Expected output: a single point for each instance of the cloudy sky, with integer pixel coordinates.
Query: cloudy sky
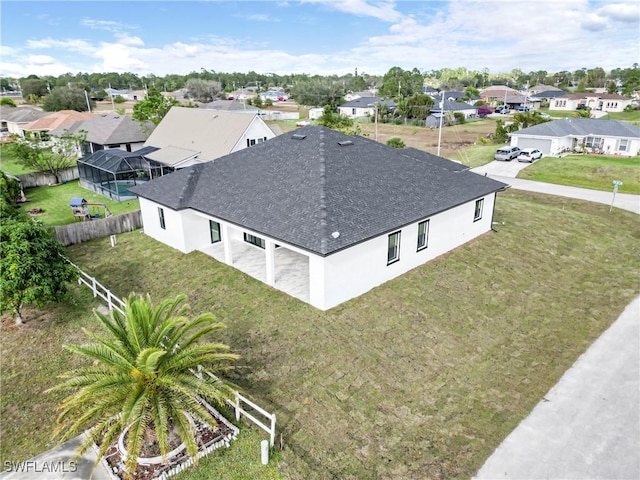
(316, 36)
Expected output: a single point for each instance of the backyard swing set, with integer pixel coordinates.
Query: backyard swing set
(81, 210)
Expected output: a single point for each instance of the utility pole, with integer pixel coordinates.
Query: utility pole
(440, 128)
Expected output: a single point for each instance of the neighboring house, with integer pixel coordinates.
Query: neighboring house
(322, 216)
(230, 106)
(108, 130)
(452, 106)
(548, 95)
(274, 96)
(455, 97)
(13, 119)
(497, 92)
(429, 90)
(355, 95)
(515, 101)
(610, 137)
(606, 102)
(54, 120)
(363, 106)
(187, 136)
(541, 88)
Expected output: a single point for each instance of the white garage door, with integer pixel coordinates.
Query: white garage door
(542, 144)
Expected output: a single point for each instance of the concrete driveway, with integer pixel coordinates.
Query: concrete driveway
(587, 426)
(501, 168)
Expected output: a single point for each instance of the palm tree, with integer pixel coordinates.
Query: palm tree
(141, 378)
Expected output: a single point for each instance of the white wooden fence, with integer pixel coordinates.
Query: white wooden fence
(117, 304)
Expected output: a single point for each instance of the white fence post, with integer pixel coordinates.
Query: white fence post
(273, 430)
(94, 289)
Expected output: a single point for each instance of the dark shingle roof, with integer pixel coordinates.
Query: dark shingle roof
(303, 186)
(20, 114)
(581, 127)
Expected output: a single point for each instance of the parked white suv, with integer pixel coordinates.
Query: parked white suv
(507, 153)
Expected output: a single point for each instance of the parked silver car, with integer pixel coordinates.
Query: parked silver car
(507, 153)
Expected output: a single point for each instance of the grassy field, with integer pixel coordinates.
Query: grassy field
(420, 378)
(588, 171)
(54, 202)
(9, 164)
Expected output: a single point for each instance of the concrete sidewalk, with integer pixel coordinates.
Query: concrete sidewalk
(57, 464)
(587, 427)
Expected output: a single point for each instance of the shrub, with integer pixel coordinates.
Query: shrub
(396, 142)
(119, 99)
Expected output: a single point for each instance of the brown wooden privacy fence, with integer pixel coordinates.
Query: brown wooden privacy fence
(83, 231)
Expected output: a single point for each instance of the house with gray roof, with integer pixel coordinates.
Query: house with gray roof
(363, 106)
(611, 137)
(12, 119)
(107, 130)
(187, 136)
(322, 216)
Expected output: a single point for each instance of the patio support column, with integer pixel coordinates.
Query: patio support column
(269, 251)
(226, 242)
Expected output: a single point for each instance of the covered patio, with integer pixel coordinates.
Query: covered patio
(290, 268)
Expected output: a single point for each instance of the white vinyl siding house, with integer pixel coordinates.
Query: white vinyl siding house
(605, 102)
(609, 137)
(314, 226)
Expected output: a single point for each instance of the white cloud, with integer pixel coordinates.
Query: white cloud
(383, 9)
(621, 12)
(72, 45)
(125, 39)
(41, 59)
(107, 25)
(259, 17)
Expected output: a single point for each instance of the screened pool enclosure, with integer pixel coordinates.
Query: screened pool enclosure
(112, 172)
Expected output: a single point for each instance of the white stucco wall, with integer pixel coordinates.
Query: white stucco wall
(356, 270)
(174, 233)
(346, 274)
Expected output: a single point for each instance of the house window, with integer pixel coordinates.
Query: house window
(251, 142)
(353, 111)
(393, 250)
(253, 240)
(477, 215)
(214, 228)
(423, 234)
(161, 216)
(623, 145)
(593, 142)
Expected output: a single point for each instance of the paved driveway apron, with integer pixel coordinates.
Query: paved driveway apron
(588, 425)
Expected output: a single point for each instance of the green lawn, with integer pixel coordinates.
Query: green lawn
(422, 377)
(477, 155)
(632, 117)
(54, 202)
(588, 171)
(9, 164)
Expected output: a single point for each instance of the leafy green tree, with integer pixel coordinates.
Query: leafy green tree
(396, 142)
(62, 98)
(501, 134)
(612, 87)
(153, 108)
(582, 113)
(51, 157)
(332, 119)
(32, 267)
(398, 83)
(119, 99)
(33, 86)
(359, 84)
(9, 191)
(203, 90)
(8, 102)
(139, 376)
(417, 106)
(318, 91)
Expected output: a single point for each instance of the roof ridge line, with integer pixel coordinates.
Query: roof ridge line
(323, 193)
